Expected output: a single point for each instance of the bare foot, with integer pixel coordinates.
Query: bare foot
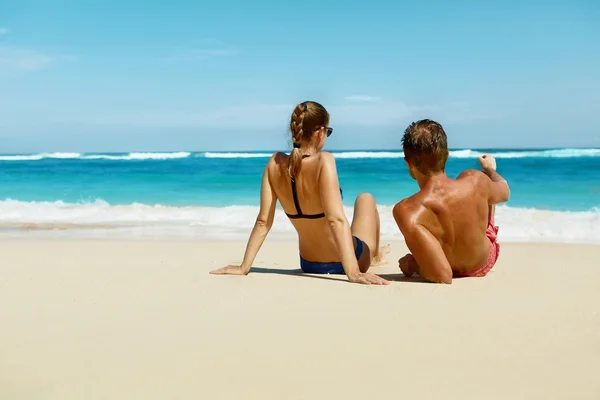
(380, 258)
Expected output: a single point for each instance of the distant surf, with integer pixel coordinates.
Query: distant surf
(141, 156)
(83, 156)
(555, 192)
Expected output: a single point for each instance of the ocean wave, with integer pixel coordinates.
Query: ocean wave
(467, 153)
(347, 154)
(36, 157)
(80, 156)
(138, 156)
(369, 154)
(516, 224)
(344, 154)
(557, 153)
(237, 155)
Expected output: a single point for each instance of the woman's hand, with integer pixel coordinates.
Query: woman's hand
(367, 279)
(229, 270)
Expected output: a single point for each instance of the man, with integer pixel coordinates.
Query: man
(449, 224)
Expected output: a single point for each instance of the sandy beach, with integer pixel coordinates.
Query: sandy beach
(124, 319)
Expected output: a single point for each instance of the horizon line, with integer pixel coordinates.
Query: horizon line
(287, 150)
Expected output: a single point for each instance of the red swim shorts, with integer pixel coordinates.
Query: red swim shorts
(492, 234)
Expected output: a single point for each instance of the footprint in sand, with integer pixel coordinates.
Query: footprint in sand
(381, 259)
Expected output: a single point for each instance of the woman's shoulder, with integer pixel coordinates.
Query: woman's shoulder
(277, 158)
(326, 159)
(279, 155)
(277, 161)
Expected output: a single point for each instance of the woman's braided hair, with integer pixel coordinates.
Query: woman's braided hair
(306, 119)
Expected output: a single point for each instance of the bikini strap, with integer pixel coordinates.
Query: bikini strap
(296, 201)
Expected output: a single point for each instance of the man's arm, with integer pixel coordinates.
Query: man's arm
(499, 192)
(432, 263)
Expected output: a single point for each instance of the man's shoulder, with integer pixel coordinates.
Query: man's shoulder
(410, 203)
(406, 210)
(476, 179)
(472, 174)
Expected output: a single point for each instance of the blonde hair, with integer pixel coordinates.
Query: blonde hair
(306, 119)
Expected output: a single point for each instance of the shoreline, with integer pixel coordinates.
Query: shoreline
(99, 220)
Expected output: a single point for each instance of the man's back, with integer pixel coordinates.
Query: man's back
(449, 224)
(456, 213)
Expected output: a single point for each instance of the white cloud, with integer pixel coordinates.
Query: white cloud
(201, 54)
(210, 53)
(4, 31)
(231, 117)
(23, 59)
(216, 52)
(375, 114)
(360, 98)
(267, 116)
(250, 116)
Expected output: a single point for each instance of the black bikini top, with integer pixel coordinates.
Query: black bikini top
(297, 203)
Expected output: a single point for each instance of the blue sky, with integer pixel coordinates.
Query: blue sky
(123, 76)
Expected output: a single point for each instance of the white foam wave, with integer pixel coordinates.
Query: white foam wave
(516, 224)
(558, 153)
(237, 155)
(130, 156)
(138, 156)
(348, 154)
(467, 153)
(35, 157)
(104, 157)
(369, 154)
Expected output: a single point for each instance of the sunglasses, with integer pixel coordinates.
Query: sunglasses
(329, 130)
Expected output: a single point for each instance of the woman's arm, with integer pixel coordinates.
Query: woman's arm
(331, 200)
(264, 221)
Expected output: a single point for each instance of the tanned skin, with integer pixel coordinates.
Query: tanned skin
(322, 240)
(444, 224)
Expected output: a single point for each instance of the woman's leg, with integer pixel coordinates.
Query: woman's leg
(365, 226)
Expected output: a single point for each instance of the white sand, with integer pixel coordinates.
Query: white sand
(144, 320)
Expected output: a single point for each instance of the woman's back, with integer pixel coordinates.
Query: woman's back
(315, 239)
(306, 185)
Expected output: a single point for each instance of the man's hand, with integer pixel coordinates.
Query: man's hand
(367, 279)
(408, 265)
(229, 270)
(487, 162)
(499, 190)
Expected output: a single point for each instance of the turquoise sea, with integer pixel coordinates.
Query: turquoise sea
(555, 192)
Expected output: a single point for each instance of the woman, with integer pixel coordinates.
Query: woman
(306, 184)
